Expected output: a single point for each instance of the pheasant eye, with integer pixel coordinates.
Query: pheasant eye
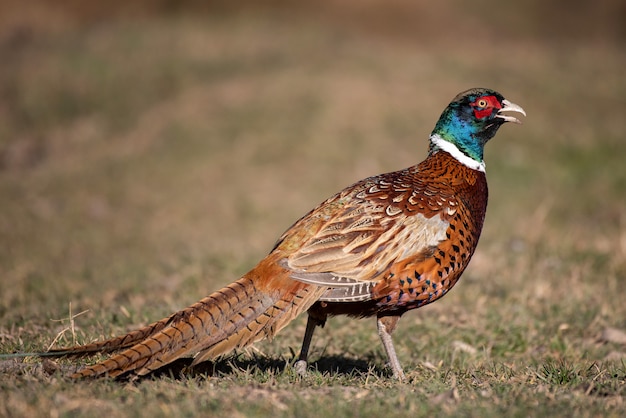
(482, 103)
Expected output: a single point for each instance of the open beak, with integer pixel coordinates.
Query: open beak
(510, 107)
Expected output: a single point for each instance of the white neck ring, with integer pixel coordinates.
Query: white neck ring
(452, 149)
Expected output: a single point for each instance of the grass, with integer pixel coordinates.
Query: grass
(144, 165)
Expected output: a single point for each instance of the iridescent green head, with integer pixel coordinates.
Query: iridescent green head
(470, 120)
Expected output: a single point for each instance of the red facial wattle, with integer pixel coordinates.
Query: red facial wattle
(490, 103)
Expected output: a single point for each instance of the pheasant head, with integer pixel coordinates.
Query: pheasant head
(470, 120)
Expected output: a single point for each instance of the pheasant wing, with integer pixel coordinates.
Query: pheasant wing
(350, 242)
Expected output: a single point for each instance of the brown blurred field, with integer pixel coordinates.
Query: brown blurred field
(151, 152)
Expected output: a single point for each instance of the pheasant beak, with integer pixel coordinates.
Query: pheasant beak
(510, 107)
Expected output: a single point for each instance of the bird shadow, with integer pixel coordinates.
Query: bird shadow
(326, 365)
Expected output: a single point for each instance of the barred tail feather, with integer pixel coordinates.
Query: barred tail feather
(113, 344)
(233, 317)
(266, 324)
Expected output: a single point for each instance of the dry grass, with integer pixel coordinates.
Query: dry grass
(144, 165)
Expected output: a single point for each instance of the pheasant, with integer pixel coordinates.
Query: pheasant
(380, 247)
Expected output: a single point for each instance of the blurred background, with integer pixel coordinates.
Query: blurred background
(152, 151)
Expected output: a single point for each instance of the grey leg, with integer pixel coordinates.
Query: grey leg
(386, 326)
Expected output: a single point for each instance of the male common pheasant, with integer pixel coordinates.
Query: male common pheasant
(383, 246)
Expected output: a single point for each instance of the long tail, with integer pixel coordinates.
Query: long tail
(254, 307)
(112, 345)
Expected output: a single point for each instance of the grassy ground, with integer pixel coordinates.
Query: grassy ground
(144, 165)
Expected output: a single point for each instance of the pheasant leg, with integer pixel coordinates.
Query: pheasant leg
(386, 326)
(301, 365)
